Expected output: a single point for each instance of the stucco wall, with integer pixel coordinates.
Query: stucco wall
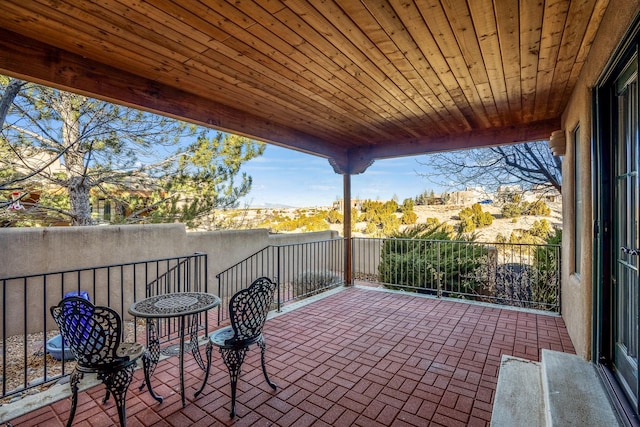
(577, 298)
(32, 251)
(36, 250)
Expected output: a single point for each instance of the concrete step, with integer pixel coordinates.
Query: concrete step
(561, 390)
(519, 400)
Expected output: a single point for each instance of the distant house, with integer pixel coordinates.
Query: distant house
(105, 209)
(46, 162)
(505, 193)
(356, 204)
(468, 196)
(110, 209)
(545, 193)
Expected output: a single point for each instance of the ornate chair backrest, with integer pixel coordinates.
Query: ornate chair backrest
(248, 309)
(92, 332)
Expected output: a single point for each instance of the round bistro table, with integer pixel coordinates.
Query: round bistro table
(175, 305)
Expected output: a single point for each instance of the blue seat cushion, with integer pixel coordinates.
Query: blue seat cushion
(221, 336)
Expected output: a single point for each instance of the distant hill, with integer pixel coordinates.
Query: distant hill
(261, 215)
(270, 206)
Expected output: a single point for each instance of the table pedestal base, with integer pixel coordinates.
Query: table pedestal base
(152, 356)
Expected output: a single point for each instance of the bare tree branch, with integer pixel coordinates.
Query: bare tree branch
(35, 207)
(529, 165)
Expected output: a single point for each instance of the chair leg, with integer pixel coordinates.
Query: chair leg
(233, 358)
(76, 376)
(206, 375)
(118, 383)
(263, 349)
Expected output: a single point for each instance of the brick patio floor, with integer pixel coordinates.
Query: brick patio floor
(359, 357)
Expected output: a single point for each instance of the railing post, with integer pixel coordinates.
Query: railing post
(348, 261)
(205, 276)
(492, 267)
(558, 280)
(221, 298)
(439, 274)
(278, 276)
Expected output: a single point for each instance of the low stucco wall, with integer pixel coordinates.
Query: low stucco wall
(33, 251)
(36, 250)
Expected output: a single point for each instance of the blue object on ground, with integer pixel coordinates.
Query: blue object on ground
(54, 345)
(54, 348)
(81, 294)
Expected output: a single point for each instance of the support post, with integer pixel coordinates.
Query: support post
(348, 265)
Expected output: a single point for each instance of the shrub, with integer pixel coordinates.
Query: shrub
(539, 232)
(538, 208)
(315, 224)
(313, 282)
(431, 224)
(511, 210)
(407, 205)
(280, 223)
(335, 217)
(390, 224)
(486, 219)
(380, 217)
(532, 286)
(547, 266)
(466, 225)
(409, 218)
(289, 225)
(432, 229)
(390, 207)
(371, 211)
(522, 237)
(541, 229)
(424, 256)
(370, 228)
(474, 217)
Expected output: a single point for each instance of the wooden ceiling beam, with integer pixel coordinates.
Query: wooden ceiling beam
(34, 61)
(361, 159)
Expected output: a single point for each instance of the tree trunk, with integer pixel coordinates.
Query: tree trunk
(13, 88)
(80, 201)
(78, 183)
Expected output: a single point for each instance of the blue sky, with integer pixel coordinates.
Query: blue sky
(287, 177)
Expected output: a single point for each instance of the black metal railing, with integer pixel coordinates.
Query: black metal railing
(26, 324)
(300, 270)
(521, 275)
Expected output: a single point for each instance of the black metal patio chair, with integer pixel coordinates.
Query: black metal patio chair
(93, 333)
(248, 311)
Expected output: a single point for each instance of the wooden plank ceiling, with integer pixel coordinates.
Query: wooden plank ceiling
(349, 80)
